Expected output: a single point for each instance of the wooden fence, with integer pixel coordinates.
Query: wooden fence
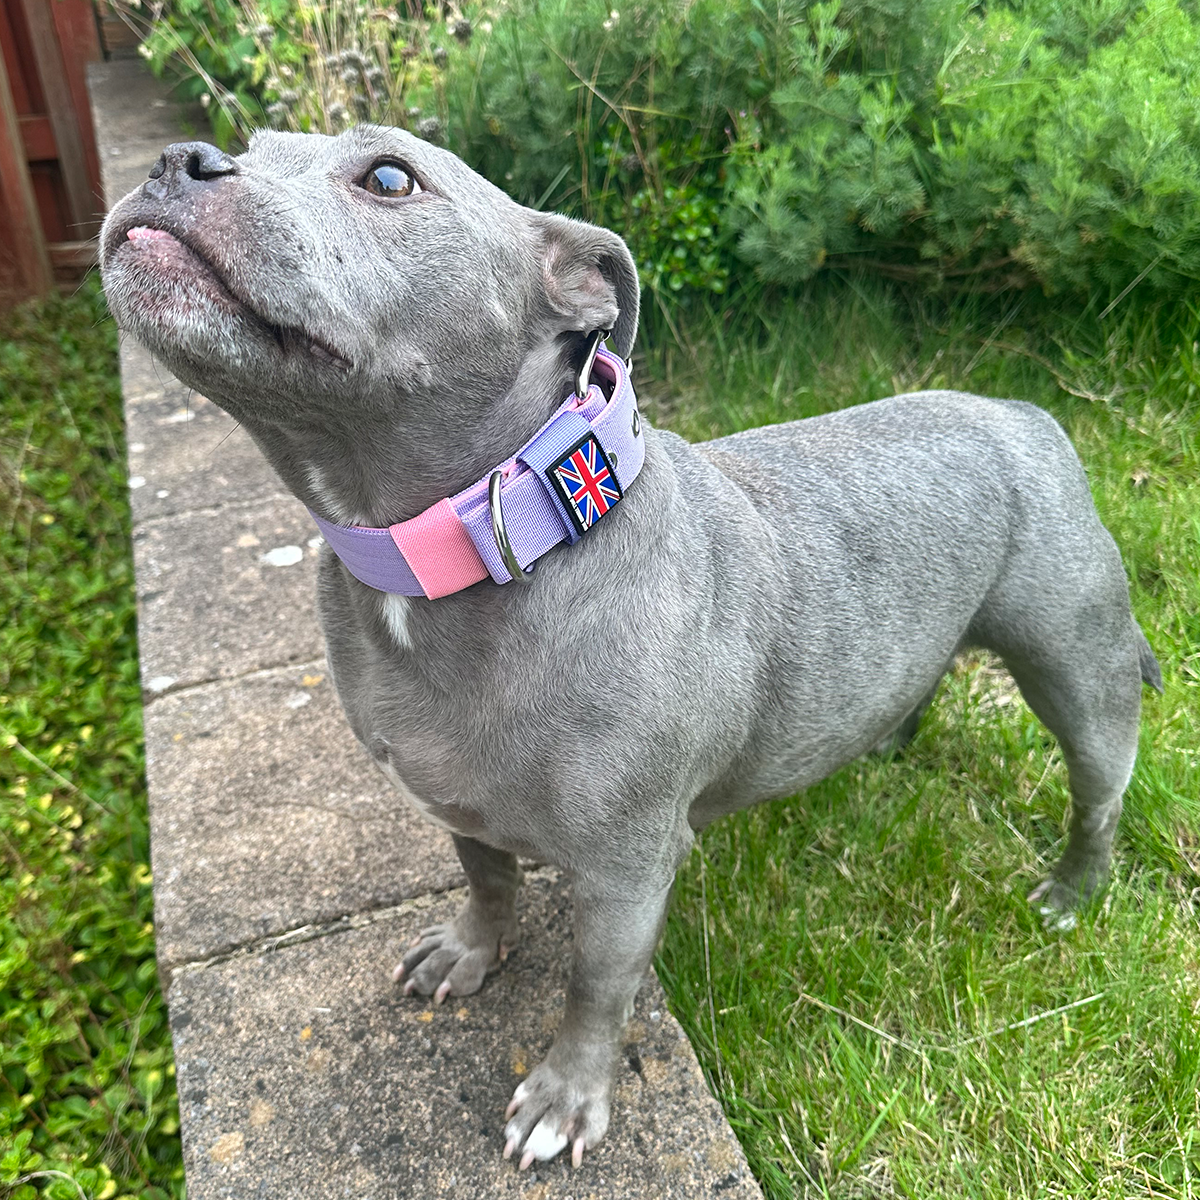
(50, 195)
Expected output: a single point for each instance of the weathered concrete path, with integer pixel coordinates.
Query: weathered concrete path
(288, 876)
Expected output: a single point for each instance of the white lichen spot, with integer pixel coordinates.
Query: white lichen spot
(178, 418)
(137, 447)
(282, 556)
(298, 699)
(246, 541)
(135, 482)
(227, 1147)
(162, 494)
(159, 683)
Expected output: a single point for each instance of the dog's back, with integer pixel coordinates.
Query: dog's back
(907, 529)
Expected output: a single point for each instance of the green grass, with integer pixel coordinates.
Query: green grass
(866, 987)
(857, 966)
(87, 1091)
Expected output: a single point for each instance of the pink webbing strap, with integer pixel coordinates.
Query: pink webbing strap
(439, 550)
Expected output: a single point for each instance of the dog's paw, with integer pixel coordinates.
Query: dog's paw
(1055, 903)
(441, 963)
(554, 1108)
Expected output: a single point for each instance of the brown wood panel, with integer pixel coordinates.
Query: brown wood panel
(117, 37)
(38, 138)
(72, 258)
(51, 201)
(26, 242)
(18, 58)
(49, 168)
(79, 37)
(48, 57)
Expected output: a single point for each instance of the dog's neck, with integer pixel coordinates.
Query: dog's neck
(375, 466)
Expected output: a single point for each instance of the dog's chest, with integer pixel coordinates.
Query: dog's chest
(456, 818)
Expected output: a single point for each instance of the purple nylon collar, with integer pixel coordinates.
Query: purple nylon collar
(536, 515)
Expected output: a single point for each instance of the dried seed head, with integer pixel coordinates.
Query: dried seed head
(430, 129)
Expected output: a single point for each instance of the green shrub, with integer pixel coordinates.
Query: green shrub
(943, 142)
(1028, 143)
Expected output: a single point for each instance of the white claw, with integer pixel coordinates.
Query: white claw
(517, 1099)
(398, 973)
(442, 992)
(526, 1160)
(577, 1153)
(510, 1146)
(408, 987)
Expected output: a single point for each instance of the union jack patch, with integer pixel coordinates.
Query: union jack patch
(586, 483)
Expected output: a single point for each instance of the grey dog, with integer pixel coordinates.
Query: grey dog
(756, 612)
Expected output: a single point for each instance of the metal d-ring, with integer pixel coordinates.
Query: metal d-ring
(583, 377)
(500, 533)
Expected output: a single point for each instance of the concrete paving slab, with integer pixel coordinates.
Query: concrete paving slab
(266, 814)
(305, 1075)
(135, 119)
(186, 454)
(226, 592)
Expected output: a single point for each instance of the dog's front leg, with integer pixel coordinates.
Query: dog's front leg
(566, 1098)
(452, 959)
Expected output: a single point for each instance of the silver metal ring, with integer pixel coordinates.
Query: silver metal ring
(500, 533)
(637, 422)
(583, 377)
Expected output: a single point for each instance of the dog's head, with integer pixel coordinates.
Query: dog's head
(367, 270)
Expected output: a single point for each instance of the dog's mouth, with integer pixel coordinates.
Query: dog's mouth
(174, 255)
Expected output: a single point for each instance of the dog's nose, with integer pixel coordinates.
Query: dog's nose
(185, 161)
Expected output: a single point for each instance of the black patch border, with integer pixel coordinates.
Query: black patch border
(565, 496)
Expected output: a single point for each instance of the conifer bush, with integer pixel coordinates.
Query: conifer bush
(949, 143)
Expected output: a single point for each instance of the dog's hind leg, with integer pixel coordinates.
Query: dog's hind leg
(454, 958)
(1082, 675)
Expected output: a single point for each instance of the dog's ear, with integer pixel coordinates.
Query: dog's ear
(590, 278)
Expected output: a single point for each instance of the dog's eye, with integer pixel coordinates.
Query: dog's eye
(390, 179)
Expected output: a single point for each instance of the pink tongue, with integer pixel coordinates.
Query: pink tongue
(144, 231)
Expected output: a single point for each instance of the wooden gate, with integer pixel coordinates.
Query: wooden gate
(50, 195)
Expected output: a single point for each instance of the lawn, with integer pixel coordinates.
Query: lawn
(87, 1093)
(870, 996)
